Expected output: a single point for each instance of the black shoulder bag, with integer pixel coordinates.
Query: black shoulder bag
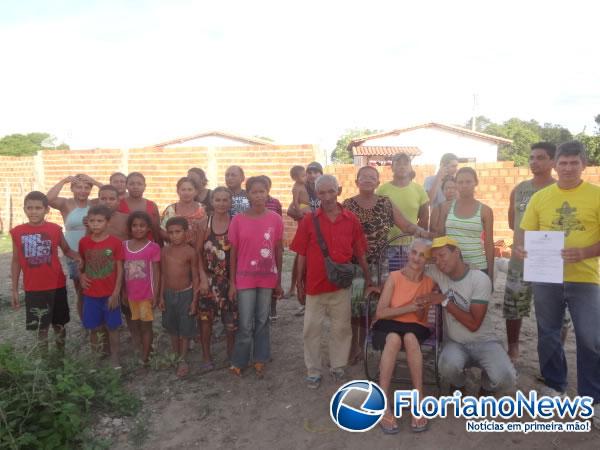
(339, 274)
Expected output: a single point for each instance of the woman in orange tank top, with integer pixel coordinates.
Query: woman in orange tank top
(401, 323)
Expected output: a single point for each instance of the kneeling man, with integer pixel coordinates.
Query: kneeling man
(469, 339)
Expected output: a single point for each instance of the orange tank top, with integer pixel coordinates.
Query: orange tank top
(405, 291)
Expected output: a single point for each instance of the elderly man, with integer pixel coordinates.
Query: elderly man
(570, 205)
(344, 239)
(469, 338)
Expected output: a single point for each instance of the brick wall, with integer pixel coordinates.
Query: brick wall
(16, 180)
(163, 167)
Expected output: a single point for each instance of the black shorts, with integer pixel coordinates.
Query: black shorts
(383, 327)
(45, 308)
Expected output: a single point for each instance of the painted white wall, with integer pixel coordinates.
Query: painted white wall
(210, 141)
(434, 142)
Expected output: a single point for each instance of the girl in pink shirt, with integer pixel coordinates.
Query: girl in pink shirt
(255, 274)
(142, 273)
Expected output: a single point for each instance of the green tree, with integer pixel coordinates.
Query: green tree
(555, 134)
(27, 144)
(340, 154)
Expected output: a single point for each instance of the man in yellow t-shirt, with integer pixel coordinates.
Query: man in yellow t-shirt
(412, 201)
(573, 206)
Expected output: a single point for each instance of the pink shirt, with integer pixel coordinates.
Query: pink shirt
(138, 270)
(255, 239)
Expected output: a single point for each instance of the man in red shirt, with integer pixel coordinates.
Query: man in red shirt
(35, 252)
(345, 239)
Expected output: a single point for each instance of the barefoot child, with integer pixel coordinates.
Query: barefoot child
(300, 198)
(35, 252)
(179, 274)
(102, 256)
(142, 274)
(214, 249)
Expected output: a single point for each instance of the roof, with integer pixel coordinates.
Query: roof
(451, 128)
(217, 133)
(385, 151)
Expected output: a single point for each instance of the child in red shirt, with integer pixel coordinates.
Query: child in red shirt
(35, 252)
(102, 256)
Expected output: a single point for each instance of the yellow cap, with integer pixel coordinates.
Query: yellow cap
(442, 241)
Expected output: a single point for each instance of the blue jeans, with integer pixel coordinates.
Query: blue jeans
(583, 301)
(254, 306)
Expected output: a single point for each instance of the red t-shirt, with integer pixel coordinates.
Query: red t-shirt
(344, 238)
(37, 247)
(100, 264)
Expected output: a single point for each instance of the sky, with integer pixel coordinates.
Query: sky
(116, 74)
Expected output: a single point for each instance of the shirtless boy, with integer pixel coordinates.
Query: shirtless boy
(180, 281)
(301, 200)
(108, 196)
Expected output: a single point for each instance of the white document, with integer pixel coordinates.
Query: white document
(544, 263)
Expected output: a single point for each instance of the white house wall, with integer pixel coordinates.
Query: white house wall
(434, 142)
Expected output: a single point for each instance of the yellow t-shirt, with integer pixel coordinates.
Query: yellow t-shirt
(576, 212)
(408, 200)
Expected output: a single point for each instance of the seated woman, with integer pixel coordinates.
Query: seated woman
(401, 323)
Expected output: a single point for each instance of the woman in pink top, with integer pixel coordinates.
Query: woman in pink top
(256, 254)
(142, 273)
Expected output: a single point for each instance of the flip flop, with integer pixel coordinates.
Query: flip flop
(183, 370)
(389, 425)
(207, 366)
(419, 428)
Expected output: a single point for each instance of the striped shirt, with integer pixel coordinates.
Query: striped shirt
(467, 232)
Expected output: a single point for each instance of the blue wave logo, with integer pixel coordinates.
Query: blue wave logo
(358, 406)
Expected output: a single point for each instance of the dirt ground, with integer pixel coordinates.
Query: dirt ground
(217, 410)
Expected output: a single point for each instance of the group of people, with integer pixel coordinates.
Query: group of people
(218, 254)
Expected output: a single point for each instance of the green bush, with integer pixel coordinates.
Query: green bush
(49, 403)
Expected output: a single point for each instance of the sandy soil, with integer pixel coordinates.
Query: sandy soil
(217, 410)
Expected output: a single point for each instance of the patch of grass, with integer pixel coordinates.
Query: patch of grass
(5, 243)
(49, 402)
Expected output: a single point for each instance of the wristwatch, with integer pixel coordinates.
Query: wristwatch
(445, 302)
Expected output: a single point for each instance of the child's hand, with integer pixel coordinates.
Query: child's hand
(278, 292)
(161, 304)
(84, 280)
(113, 301)
(232, 292)
(15, 300)
(155, 302)
(203, 287)
(193, 308)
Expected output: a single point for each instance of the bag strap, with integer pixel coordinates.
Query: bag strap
(320, 239)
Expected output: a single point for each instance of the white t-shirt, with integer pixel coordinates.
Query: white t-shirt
(474, 287)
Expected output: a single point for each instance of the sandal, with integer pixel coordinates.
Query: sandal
(183, 370)
(207, 366)
(388, 424)
(260, 369)
(235, 371)
(417, 427)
